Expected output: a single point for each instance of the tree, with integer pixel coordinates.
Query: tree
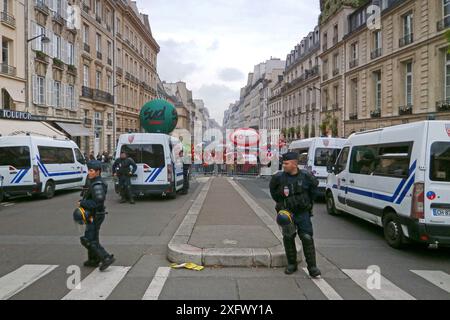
(313, 131)
(306, 131)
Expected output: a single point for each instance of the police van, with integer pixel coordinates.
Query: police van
(160, 171)
(397, 178)
(32, 165)
(315, 154)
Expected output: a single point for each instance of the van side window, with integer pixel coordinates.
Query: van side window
(393, 161)
(79, 157)
(18, 157)
(302, 156)
(53, 155)
(341, 162)
(440, 162)
(363, 160)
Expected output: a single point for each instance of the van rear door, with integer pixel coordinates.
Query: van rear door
(15, 166)
(437, 177)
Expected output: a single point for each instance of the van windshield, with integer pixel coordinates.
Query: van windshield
(150, 154)
(440, 162)
(324, 156)
(18, 157)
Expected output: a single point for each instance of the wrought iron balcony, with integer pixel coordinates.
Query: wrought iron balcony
(443, 24)
(110, 61)
(119, 70)
(335, 40)
(353, 116)
(98, 19)
(87, 122)
(8, 70)
(7, 19)
(98, 122)
(376, 53)
(407, 39)
(87, 48)
(443, 106)
(405, 110)
(325, 77)
(99, 55)
(325, 47)
(354, 63)
(335, 106)
(103, 96)
(335, 72)
(42, 7)
(86, 7)
(110, 123)
(375, 113)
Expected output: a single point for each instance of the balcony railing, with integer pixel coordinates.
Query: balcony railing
(99, 55)
(443, 106)
(335, 40)
(87, 122)
(354, 63)
(98, 19)
(375, 113)
(58, 18)
(119, 70)
(110, 123)
(98, 122)
(42, 7)
(325, 77)
(376, 53)
(335, 106)
(110, 61)
(353, 116)
(87, 48)
(103, 96)
(86, 7)
(7, 69)
(335, 72)
(407, 39)
(87, 92)
(325, 47)
(405, 110)
(8, 19)
(443, 24)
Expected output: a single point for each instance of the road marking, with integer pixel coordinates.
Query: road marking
(98, 285)
(157, 284)
(387, 290)
(21, 278)
(7, 204)
(326, 289)
(438, 278)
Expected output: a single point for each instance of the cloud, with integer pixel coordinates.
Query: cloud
(217, 98)
(231, 74)
(214, 46)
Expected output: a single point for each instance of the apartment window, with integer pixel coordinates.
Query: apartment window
(6, 6)
(336, 34)
(109, 83)
(447, 77)
(377, 40)
(377, 78)
(86, 76)
(354, 88)
(336, 95)
(119, 58)
(98, 8)
(57, 46)
(354, 51)
(70, 97)
(57, 88)
(71, 53)
(409, 84)
(98, 43)
(446, 8)
(86, 34)
(5, 51)
(407, 24)
(98, 80)
(39, 31)
(40, 90)
(108, 19)
(118, 29)
(109, 50)
(59, 7)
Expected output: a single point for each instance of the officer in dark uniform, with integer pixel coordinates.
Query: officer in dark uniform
(124, 168)
(94, 202)
(294, 190)
(186, 168)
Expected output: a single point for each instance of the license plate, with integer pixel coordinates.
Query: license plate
(441, 212)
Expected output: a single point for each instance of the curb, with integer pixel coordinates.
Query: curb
(179, 251)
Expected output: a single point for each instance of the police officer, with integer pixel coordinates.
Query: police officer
(294, 190)
(124, 168)
(186, 168)
(93, 202)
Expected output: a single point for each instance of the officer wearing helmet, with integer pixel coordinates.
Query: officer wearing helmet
(125, 168)
(294, 191)
(91, 212)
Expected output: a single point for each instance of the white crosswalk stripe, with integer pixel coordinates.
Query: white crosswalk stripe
(98, 285)
(386, 291)
(326, 289)
(157, 284)
(438, 278)
(21, 278)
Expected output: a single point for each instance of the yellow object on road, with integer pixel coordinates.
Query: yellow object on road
(188, 265)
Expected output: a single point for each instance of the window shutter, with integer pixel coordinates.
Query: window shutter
(34, 34)
(64, 51)
(50, 94)
(35, 90)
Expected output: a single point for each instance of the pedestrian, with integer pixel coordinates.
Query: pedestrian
(186, 169)
(294, 190)
(124, 168)
(93, 205)
(91, 156)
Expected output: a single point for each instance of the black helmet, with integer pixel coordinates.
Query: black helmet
(94, 165)
(81, 216)
(284, 218)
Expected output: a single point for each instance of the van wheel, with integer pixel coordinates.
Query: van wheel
(331, 207)
(393, 232)
(49, 191)
(2, 197)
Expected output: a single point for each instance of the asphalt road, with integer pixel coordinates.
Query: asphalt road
(38, 242)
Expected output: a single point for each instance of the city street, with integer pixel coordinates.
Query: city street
(39, 242)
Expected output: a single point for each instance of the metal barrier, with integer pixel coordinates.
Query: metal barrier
(230, 170)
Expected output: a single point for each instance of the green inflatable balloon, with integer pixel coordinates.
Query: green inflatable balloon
(159, 116)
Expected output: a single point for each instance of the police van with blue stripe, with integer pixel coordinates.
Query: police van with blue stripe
(34, 165)
(397, 178)
(160, 169)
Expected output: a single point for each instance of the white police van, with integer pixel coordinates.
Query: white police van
(32, 165)
(315, 154)
(160, 171)
(397, 178)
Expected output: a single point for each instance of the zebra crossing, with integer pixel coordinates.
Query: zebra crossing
(100, 285)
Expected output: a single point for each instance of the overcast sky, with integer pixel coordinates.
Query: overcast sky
(212, 45)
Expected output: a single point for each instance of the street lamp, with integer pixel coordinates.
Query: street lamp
(44, 39)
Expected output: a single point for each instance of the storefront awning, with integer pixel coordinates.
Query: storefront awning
(16, 93)
(74, 129)
(35, 128)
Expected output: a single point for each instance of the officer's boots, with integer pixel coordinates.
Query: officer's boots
(93, 261)
(310, 255)
(291, 254)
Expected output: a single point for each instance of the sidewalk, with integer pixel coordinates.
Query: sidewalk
(226, 227)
